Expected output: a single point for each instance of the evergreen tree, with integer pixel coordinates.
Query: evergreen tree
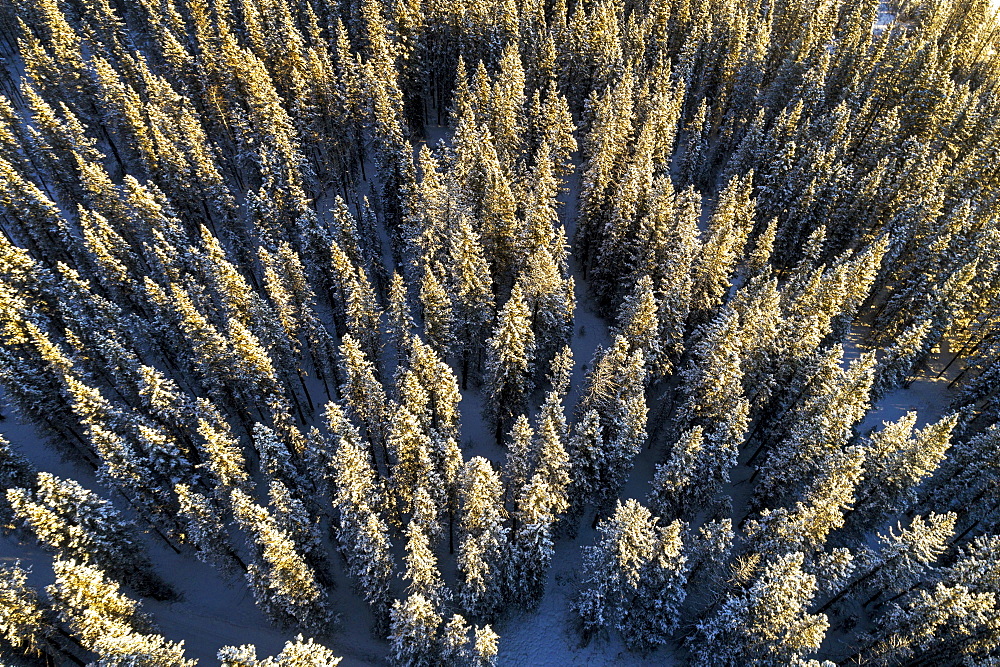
(24, 622)
(473, 300)
(421, 566)
(413, 632)
(898, 459)
(729, 227)
(616, 392)
(438, 312)
(78, 524)
(901, 559)
(483, 538)
(363, 393)
(284, 585)
(206, 530)
(766, 623)
(635, 576)
(15, 472)
(296, 653)
(964, 483)
(820, 426)
(362, 531)
(638, 321)
(509, 361)
(107, 622)
(539, 503)
(820, 510)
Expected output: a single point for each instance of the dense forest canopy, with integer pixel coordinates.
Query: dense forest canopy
(298, 287)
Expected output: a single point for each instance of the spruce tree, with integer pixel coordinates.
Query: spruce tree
(296, 653)
(283, 583)
(509, 361)
(482, 538)
(768, 622)
(78, 524)
(107, 622)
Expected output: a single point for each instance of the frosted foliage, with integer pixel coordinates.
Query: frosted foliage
(766, 624)
(904, 555)
(483, 538)
(510, 352)
(634, 578)
(296, 653)
(205, 528)
(282, 581)
(22, 621)
(260, 259)
(413, 632)
(422, 567)
(109, 623)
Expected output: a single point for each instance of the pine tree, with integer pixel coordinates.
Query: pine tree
(821, 509)
(290, 512)
(283, 584)
(296, 653)
(485, 194)
(539, 502)
(615, 390)
(15, 472)
(955, 617)
(221, 452)
(107, 622)
(713, 379)
(362, 531)
(935, 624)
(24, 621)
(689, 477)
(662, 591)
(482, 539)
(421, 566)
(206, 530)
(414, 468)
(635, 576)
(729, 227)
(766, 623)
(898, 459)
(78, 524)
(413, 632)
(900, 561)
(276, 461)
(521, 460)
(639, 324)
(895, 364)
(509, 361)
(363, 393)
(819, 426)
(474, 307)
(400, 325)
(964, 484)
(435, 379)
(438, 312)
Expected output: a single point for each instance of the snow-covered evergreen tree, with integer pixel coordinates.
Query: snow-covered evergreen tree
(413, 634)
(509, 361)
(108, 623)
(25, 624)
(296, 653)
(768, 622)
(283, 583)
(482, 540)
(634, 578)
(78, 524)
